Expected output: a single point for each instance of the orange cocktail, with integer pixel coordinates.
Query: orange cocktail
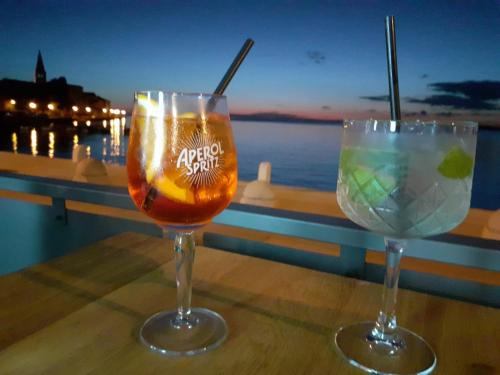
(182, 171)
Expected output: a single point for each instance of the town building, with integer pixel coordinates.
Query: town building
(53, 99)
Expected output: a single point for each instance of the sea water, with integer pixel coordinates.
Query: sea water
(301, 154)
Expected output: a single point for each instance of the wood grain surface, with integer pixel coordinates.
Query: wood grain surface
(80, 314)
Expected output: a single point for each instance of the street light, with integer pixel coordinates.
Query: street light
(32, 105)
(51, 106)
(74, 108)
(88, 109)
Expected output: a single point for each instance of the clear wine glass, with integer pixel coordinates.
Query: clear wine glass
(403, 180)
(182, 171)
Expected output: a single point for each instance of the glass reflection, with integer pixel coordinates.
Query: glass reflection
(88, 151)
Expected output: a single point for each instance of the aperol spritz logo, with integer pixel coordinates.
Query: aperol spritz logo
(201, 160)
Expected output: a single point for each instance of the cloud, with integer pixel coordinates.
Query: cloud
(445, 114)
(376, 98)
(326, 108)
(454, 101)
(317, 57)
(280, 117)
(424, 76)
(479, 95)
(421, 113)
(478, 90)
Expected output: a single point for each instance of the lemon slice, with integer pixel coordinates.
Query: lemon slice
(457, 164)
(146, 106)
(150, 172)
(149, 136)
(189, 115)
(169, 189)
(148, 119)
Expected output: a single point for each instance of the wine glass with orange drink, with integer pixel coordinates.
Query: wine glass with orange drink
(182, 171)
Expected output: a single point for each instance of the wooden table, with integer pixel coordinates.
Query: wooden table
(80, 314)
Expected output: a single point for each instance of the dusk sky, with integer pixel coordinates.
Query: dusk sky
(322, 59)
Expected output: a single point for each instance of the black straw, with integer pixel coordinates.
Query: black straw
(234, 67)
(392, 67)
(231, 71)
(152, 193)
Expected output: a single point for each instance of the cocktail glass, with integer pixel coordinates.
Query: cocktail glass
(182, 171)
(403, 180)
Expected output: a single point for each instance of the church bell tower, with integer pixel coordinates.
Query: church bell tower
(40, 75)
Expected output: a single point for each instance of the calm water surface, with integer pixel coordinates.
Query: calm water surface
(301, 154)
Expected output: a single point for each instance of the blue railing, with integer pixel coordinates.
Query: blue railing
(55, 230)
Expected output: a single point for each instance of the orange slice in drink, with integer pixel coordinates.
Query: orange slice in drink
(169, 189)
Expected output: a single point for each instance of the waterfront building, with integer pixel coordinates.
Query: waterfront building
(53, 99)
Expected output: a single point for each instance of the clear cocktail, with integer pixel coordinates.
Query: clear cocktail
(402, 180)
(409, 184)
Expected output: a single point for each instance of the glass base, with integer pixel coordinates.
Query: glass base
(202, 331)
(405, 353)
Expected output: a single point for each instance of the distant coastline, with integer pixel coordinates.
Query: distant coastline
(282, 117)
(293, 119)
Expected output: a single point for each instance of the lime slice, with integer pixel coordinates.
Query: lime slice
(373, 188)
(366, 174)
(457, 164)
(169, 189)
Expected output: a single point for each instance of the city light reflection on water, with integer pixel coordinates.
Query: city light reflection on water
(14, 142)
(104, 148)
(115, 137)
(51, 144)
(34, 142)
(105, 140)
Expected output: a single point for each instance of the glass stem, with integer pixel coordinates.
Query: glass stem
(184, 248)
(386, 322)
